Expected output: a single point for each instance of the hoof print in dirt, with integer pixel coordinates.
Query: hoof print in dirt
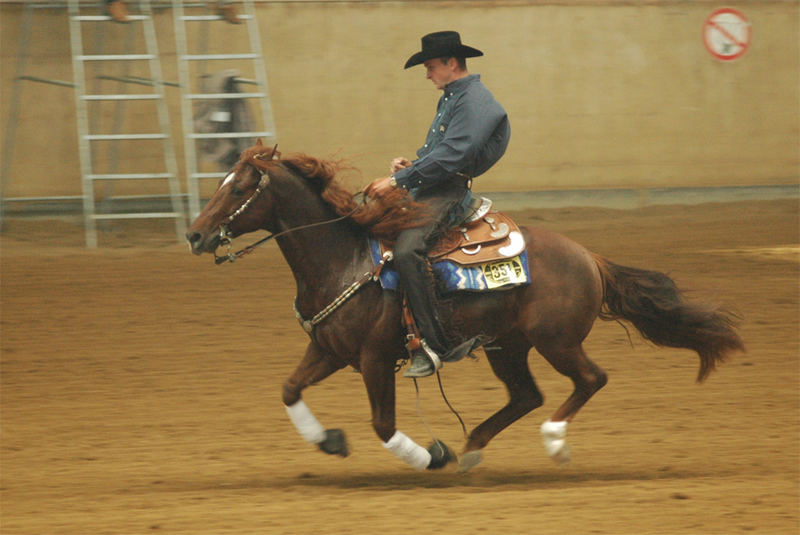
(440, 455)
(335, 443)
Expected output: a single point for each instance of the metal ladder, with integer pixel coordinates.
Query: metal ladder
(86, 137)
(188, 96)
(12, 120)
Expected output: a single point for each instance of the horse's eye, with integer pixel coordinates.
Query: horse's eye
(237, 192)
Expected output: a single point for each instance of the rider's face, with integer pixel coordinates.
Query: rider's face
(440, 73)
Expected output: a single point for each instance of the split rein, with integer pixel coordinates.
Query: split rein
(226, 237)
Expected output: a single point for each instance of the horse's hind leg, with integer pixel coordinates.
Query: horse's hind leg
(587, 378)
(508, 358)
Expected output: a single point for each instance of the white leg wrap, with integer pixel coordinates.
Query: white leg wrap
(412, 453)
(308, 426)
(554, 436)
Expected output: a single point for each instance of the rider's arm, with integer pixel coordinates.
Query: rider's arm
(475, 119)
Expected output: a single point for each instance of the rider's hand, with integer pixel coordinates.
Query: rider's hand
(399, 163)
(379, 187)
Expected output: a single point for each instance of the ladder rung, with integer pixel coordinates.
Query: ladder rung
(190, 57)
(113, 57)
(151, 215)
(215, 96)
(230, 135)
(212, 17)
(99, 18)
(36, 199)
(106, 137)
(128, 176)
(121, 97)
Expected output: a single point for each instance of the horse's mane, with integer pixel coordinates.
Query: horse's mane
(383, 217)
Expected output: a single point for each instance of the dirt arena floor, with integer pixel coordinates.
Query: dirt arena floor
(141, 394)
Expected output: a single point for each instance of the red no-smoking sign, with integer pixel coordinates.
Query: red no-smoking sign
(727, 33)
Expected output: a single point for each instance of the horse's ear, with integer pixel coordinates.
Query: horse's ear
(258, 143)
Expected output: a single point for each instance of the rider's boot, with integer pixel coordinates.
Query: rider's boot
(424, 361)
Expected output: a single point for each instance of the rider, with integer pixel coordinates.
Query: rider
(470, 132)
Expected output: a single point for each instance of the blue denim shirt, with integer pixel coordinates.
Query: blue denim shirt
(469, 134)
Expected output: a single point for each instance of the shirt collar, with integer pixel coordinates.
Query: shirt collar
(461, 84)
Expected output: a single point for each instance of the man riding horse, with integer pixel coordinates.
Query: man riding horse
(469, 134)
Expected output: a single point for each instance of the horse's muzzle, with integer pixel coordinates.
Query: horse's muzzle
(200, 242)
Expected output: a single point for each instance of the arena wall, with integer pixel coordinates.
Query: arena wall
(601, 94)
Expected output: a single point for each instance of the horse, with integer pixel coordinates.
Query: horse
(323, 233)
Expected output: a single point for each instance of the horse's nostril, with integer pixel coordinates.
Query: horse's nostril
(193, 237)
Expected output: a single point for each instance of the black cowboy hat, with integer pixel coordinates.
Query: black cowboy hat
(440, 45)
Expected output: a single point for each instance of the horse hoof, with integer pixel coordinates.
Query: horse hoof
(440, 455)
(335, 443)
(469, 460)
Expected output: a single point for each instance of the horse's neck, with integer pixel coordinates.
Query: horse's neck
(324, 260)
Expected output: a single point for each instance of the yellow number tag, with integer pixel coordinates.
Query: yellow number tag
(504, 272)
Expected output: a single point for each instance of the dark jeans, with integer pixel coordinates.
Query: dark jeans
(414, 270)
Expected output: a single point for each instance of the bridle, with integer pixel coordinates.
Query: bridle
(225, 234)
(226, 237)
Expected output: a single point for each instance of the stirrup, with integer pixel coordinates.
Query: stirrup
(424, 361)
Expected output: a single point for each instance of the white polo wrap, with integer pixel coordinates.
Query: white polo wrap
(406, 449)
(554, 436)
(305, 422)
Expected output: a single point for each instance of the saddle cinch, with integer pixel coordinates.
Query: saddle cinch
(486, 251)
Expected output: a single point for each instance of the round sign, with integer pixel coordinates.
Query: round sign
(727, 33)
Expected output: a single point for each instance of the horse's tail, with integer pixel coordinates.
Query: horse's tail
(652, 302)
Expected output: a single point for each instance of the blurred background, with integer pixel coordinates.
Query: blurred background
(605, 97)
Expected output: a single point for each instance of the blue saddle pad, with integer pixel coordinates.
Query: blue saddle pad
(495, 275)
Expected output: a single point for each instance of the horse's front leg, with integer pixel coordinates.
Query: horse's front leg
(378, 375)
(315, 366)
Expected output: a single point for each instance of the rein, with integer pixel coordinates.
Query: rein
(226, 236)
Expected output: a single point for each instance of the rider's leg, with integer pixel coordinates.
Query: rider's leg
(417, 280)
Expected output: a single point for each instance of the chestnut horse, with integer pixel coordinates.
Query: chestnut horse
(323, 234)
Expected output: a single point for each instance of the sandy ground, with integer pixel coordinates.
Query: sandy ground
(141, 394)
